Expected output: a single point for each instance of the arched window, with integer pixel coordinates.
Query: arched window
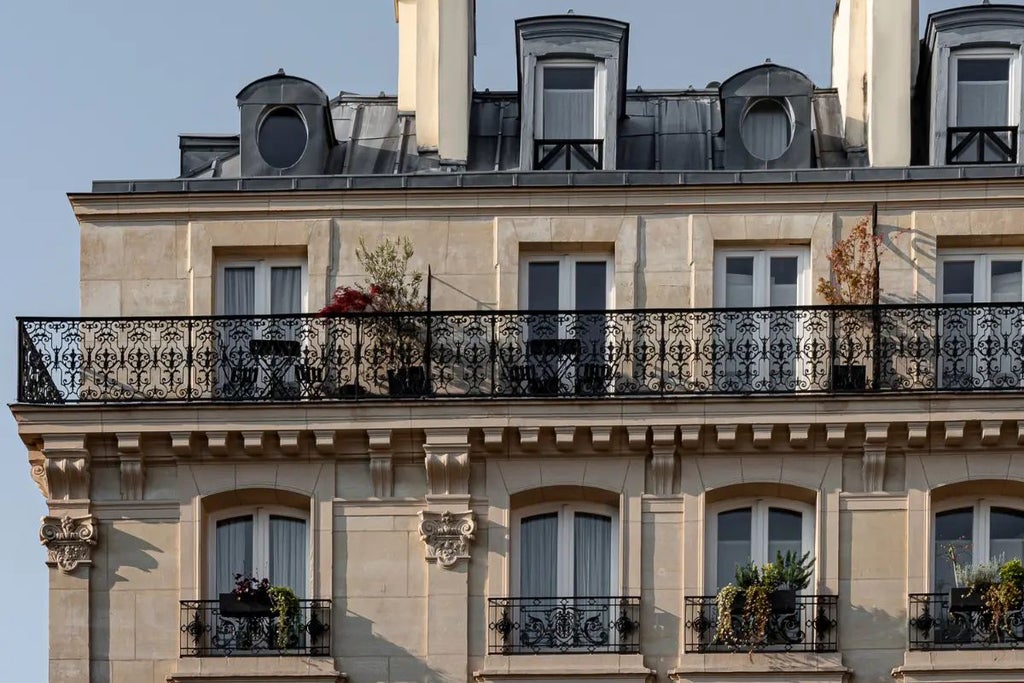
(740, 531)
(767, 129)
(975, 531)
(266, 542)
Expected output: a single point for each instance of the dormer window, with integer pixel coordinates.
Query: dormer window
(282, 137)
(767, 129)
(982, 108)
(569, 117)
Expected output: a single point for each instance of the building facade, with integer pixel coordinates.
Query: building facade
(626, 382)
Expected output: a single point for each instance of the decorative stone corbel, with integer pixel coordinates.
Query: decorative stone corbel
(663, 459)
(66, 467)
(382, 472)
(133, 472)
(601, 438)
(288, 441)
(955, 433)
(637, 436)
(762, 435)
(447, 536)
(876, 437)
(68, 540)
(447, 463)
(182, 444)
(37, 465)
(725, 435)
(917, 434)
(799, 435)
(493, 437)
(323, 441)
(564, 437)
(529, 438)
(835, 435)
(217, 443)
(990, 430)
(252, 442)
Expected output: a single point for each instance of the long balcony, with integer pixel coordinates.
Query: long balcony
(208, 629)
(805, 624)
(504, 355)
(576, 625)
(944, 621)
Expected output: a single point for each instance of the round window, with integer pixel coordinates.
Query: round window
(282, 137)
(767, 130)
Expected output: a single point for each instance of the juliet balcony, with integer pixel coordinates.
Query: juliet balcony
(797, 623)
(211, 628)
(574, 625)
(959, 621)
(506, 355)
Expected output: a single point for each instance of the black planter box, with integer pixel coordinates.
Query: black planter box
(966, 599)
(849, 378)
(410, 381)
(233, 606)
(783, 601)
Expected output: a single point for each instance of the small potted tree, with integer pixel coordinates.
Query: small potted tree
(854, 282)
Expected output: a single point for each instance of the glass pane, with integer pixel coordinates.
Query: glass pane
(785, 532)
(592, 562)
(239, 291)
(982, 92)
(739, 281)
(569, 78)
(958, 282)
(543, 286)
(288, 553)
(1006, 534)
(591, 285)
(282, 137)
(954, 534)
(1006, 282)
(286, 290)
(568, 103)
(783, 288)
(538, 564)
(766, 130)
(233, 542)
(733, 543)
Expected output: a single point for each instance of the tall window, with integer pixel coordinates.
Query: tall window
(740, 532)
(759, 350)
(983, 94)
(565, 550)
(980, 347)
(975, 532)
(569, 116)
(266, 542)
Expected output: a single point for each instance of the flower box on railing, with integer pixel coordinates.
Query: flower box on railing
(808, 623)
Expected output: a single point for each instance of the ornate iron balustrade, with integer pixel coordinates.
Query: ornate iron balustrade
(581, 625)
(638, 353)
(207, 632)
(981, 145)
(810, 626)
(937, 624)
(575, 155)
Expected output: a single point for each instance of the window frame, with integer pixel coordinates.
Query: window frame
(566, 277)
(981, 509)
(1013, 84)
(262, 279)
(762, 285)
(261, 515)
(566, 513)
(600, 87)
(759, 531)
(787, 109)
(982, 259)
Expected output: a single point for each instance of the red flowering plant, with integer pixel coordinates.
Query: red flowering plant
(252, 589)
(351, 300)
(854, 264)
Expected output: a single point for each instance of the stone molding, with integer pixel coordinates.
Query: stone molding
(663, 459)
(447, 536)
(133, 472)
(68, 540)
(447, 463)
(66, 467)
(382, 471)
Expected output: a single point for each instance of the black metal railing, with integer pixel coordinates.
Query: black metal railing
(580, 625)
(638, 353)
(981, 145)
(208, 632)
(809, 625)
(939, 623)
(569, 155)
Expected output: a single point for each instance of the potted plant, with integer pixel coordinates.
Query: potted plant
(794, 575)
(391, 289)
(250, 598)
(854, 282)
(973, 582)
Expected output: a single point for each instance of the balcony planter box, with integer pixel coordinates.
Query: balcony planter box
(409, 381)
(966, 599)
(233, 606)
(849, 377)
(783, 601)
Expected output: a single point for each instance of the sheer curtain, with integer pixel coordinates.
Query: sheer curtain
(285, 290)
(983, 99)
(766, 130)
(234, 551)
(239, 291)
(288, 554)
(538, 564)
(592, 543)
(569, 108)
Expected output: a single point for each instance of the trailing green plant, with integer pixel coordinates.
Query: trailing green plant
(757, 613)
(795, 569)
(285, 605)
(1012, 573)
(725, 601)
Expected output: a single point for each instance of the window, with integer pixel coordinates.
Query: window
(569, 116)
(566, 353)
(282, 137)
(767, 129)
(759, 350)
(980, 345)
(975, 532)
(266, 542)
(983, 105)
(744, 531)
(262, 287)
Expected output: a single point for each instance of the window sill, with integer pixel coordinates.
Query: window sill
(257, 670)
(767, 666)
(961, 666)
(609, 667)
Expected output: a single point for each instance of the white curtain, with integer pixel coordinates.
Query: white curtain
(766, 130)
(593, 555)
(568, 114)
(288, 553)
(239, 291)
(285, 290)
(538, 565)
(234, 551)
(982, 103)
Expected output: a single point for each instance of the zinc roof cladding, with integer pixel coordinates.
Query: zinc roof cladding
(662, 130)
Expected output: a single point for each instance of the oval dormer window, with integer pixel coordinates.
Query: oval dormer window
(767, 129)
(282, 137)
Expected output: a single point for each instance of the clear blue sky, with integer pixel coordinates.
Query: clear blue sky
(101, 89)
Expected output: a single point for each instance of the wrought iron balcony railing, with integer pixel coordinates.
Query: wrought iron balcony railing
(207, 631)
(939, 623)
(809, 625)
(580, 625)
(981, 145)
(496, 354)
(570, 155)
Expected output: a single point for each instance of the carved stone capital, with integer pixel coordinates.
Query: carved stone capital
(68, 540)
(447, 536)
